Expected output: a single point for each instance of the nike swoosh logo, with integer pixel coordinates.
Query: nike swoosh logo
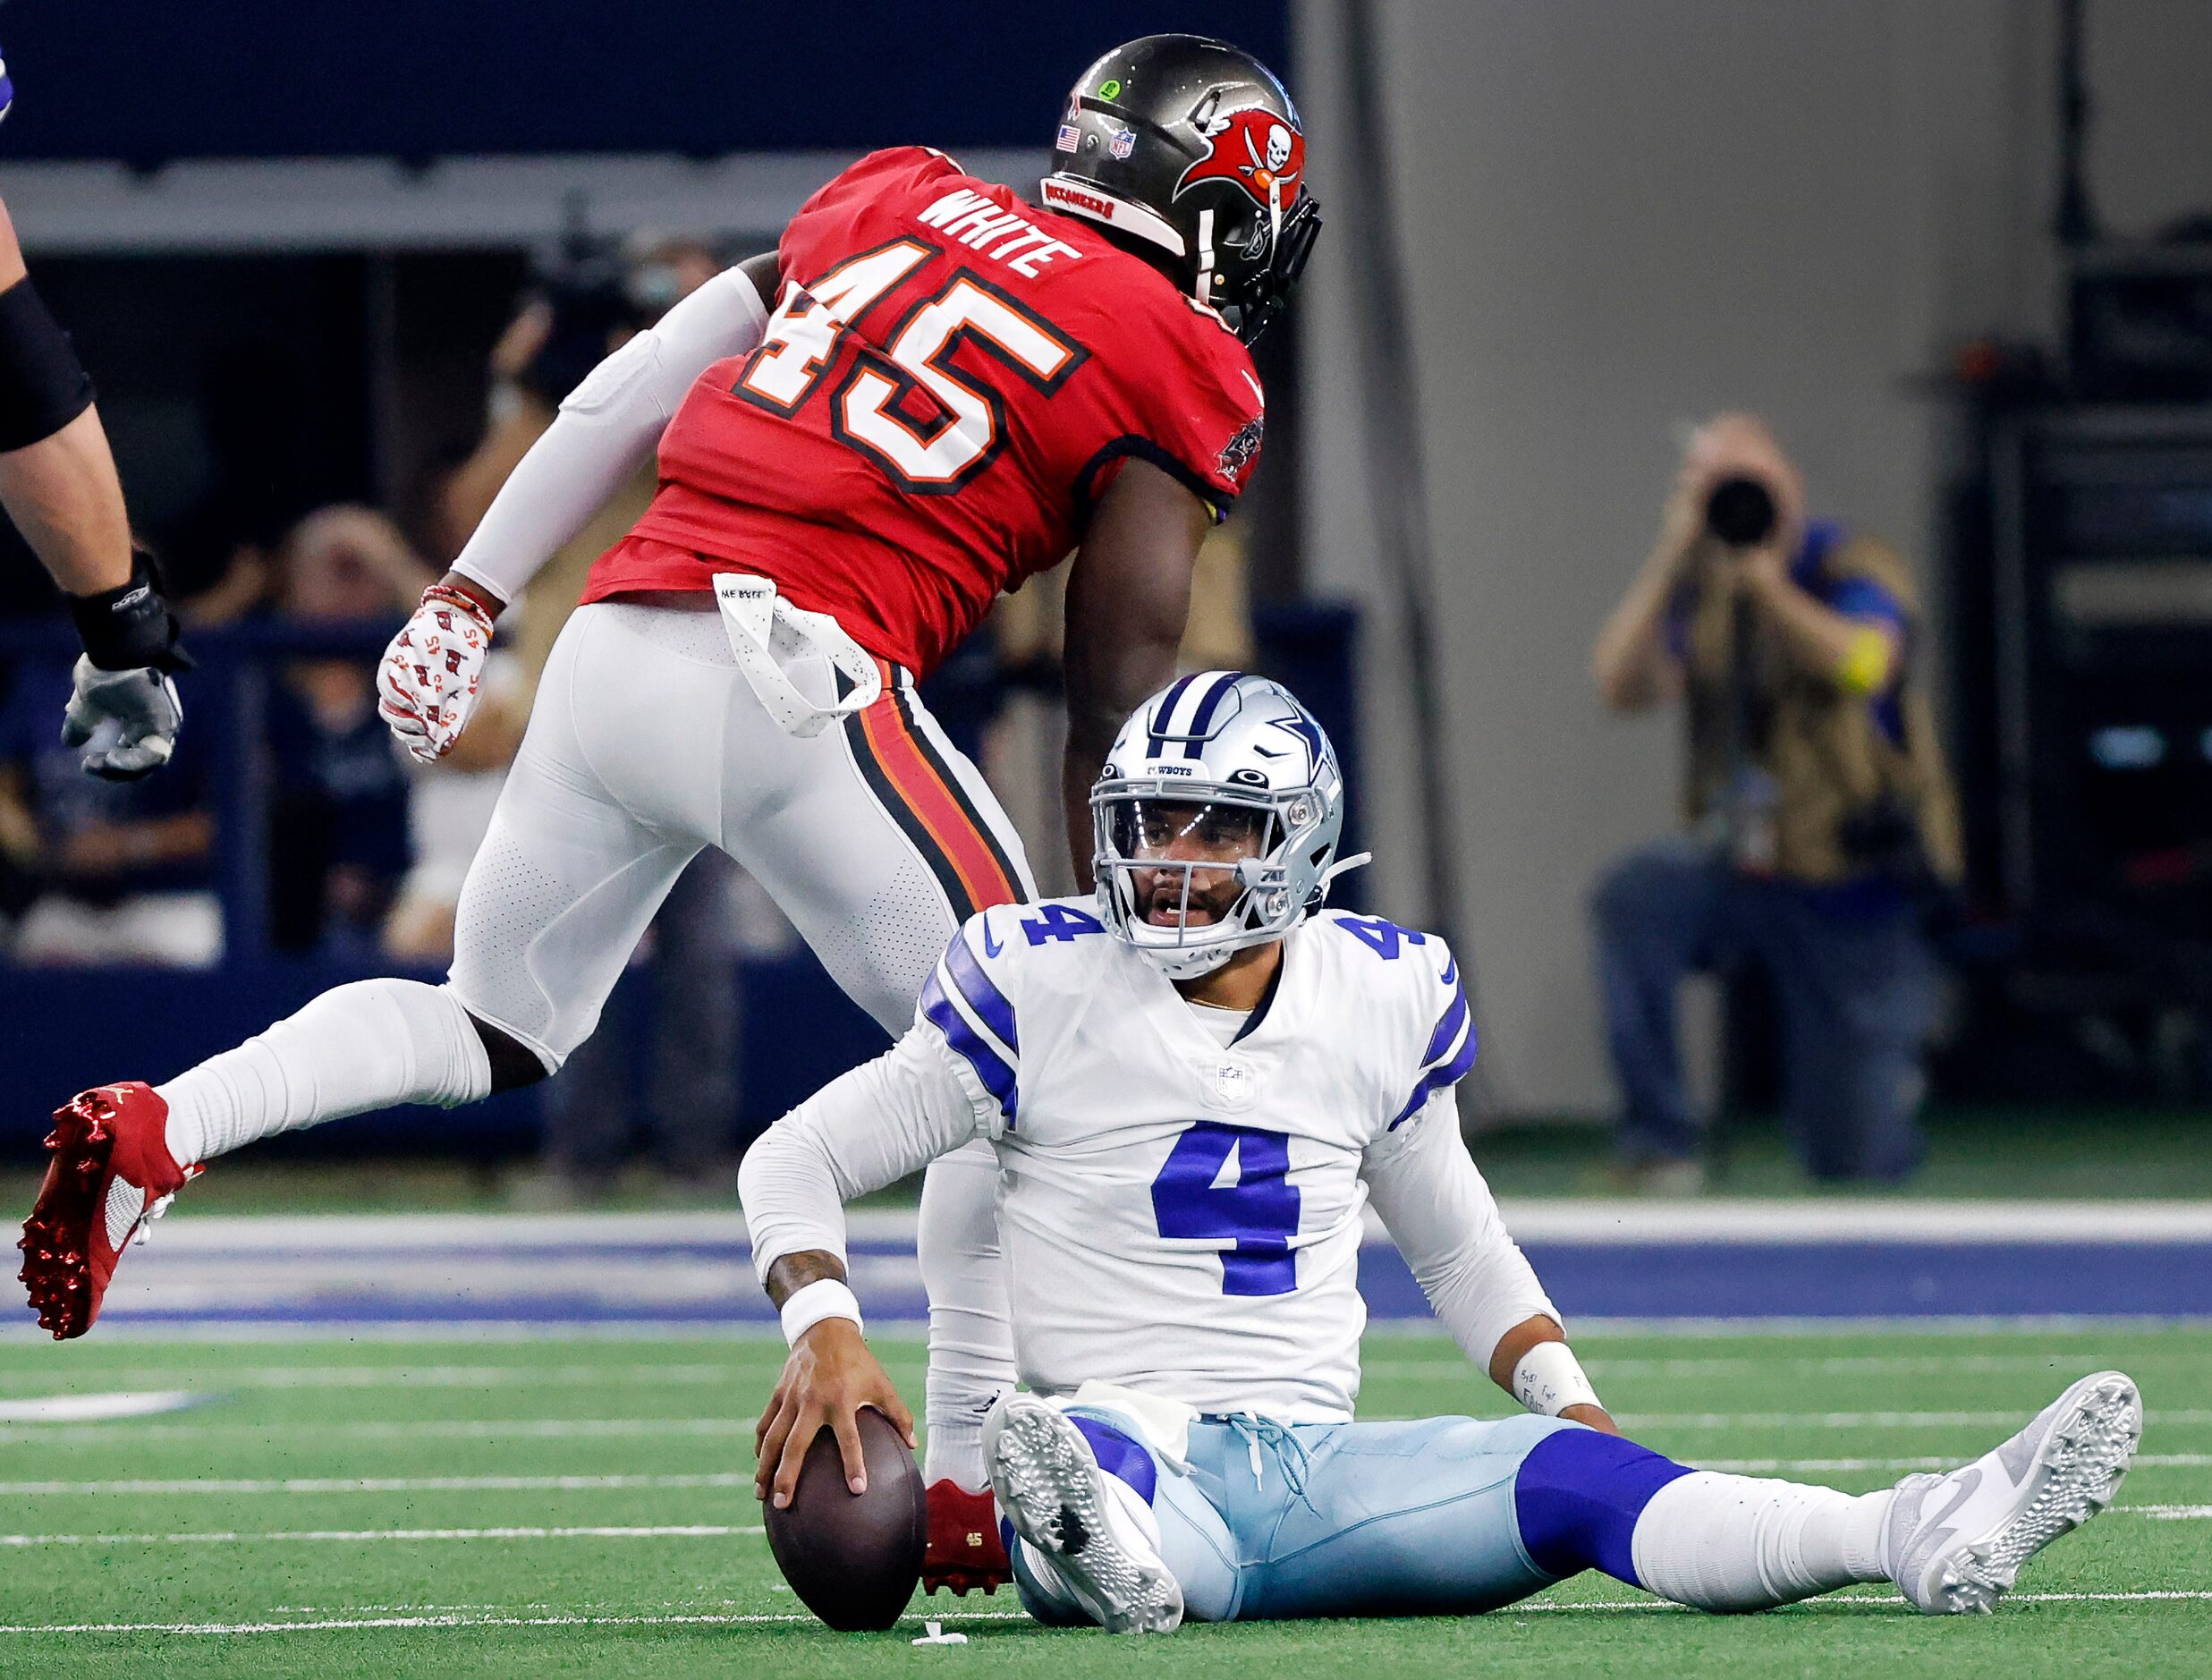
(991, 947)
(1969, 1480)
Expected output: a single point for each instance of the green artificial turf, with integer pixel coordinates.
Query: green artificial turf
(284, 1417)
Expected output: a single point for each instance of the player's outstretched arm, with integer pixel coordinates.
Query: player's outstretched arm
(57, 476)
(863, 1131)
(58, 483)
(607, 426)
(1129, 594)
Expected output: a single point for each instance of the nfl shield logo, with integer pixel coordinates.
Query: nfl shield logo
(1069, 138)
(1231, 1086)
(1124, 143)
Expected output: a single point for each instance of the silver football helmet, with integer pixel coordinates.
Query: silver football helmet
(1222, 799)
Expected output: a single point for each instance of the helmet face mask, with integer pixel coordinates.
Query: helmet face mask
(1186, 878)
(1221, 834)
(1191, 148)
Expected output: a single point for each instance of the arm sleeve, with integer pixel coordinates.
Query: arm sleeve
(605, 429)
(862, 1132)
(1445, 1221)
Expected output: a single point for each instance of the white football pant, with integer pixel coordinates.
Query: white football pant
(875, 836)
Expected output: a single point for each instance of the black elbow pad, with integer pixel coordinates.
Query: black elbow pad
(43, 386)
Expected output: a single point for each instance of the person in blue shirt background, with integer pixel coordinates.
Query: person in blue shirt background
(106, 872)
(1820, 814)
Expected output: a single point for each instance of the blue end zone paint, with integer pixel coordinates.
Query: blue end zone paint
(1823, 1280)
(613, 1273)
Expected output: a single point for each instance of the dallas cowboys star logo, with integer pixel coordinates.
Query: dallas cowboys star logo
(1303, 729)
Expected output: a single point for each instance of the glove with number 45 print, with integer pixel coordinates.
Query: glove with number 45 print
(427, 684)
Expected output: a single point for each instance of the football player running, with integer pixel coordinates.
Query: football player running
(1194, 1083)
(930, 391)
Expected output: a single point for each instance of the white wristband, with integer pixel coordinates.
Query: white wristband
(824, 1298)
(1549, 1379)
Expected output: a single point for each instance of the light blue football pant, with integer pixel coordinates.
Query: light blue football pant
(1275, 1521)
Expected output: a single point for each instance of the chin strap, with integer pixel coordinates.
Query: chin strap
(1344, 866)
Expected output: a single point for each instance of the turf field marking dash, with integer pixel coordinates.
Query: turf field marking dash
(379, 1484)
(367, 1623)
(229, 1537)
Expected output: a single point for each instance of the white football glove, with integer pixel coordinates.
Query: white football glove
(427, 684)
(142, 704)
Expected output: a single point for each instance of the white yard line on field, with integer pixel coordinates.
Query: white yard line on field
(375, 1623)
(1768, 1466)
(1862, 1420)
(228, 1537)
(377, 1484)
(550, 1429)
(97, 1408)
(609, 1376)
(662, 1531)
(1450, 1365)
(352, 1624)
(1592, 1327)
(427, 1429)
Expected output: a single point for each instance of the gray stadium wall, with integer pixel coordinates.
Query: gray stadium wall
(1619, 215)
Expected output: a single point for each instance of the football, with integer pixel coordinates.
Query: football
(854, 1560)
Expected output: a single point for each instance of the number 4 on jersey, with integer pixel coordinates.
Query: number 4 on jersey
(1057, 921)
(1384, 939)
(1257, 1213)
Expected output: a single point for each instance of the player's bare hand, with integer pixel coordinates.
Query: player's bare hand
(829, 1376)
(428, 682)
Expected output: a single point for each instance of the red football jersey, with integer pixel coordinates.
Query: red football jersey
(949, 382)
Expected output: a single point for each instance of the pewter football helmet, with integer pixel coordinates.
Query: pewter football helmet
(1237, 758)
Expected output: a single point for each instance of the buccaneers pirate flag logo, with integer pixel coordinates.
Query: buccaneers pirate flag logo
(1253, 148)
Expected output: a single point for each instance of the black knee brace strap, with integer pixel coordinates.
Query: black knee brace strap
(43, 386)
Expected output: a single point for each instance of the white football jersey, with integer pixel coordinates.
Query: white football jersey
(1179, 1218)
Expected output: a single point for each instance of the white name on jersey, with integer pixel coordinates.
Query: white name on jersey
(976, 222)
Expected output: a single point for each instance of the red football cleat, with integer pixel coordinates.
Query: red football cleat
(965, 1548)
(110, 1173)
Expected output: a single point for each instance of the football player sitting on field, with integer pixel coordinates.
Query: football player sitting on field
(929, 392)
(1195, 1082)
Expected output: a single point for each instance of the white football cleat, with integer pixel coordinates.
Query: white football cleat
(1073, 1516)
(1956, 1541)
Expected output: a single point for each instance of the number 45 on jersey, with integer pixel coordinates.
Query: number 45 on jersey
(939, 455)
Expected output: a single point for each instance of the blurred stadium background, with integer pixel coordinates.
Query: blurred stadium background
(322, 261)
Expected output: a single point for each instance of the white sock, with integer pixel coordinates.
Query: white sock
(356, 1047)
(970, 1341)
(1722, 1542)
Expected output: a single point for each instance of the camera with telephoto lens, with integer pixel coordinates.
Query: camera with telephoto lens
(1740, 512)
(591, 285)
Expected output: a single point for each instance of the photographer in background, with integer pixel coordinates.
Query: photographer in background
(1823, 820)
